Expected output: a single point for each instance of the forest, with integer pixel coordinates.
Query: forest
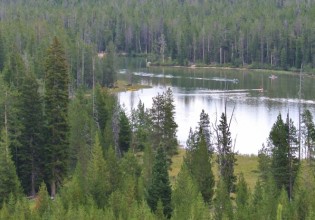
(68, 150)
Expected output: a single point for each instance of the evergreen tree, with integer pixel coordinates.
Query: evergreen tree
(108, 67)
(29, 158)
(56, 109)
(140, 127)
(2, 51)
(98, 175)
(124, 136)
(284, 163)
(164, 126)
(204, 128)
(43, 204)
(160, 188)
(185, 192)
(169, 125)
(14, 69)
(308, 131)
(222, 202)
(226, 156)
(198, 161)
(9, 182)
(242, 198)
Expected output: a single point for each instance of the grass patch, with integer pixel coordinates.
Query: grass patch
(246, 164)
(123, 86)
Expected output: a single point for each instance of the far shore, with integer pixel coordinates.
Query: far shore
(310, 74)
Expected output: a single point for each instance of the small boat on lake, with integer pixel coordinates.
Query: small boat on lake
(273, 77)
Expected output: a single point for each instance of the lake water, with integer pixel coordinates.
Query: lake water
(256, 97)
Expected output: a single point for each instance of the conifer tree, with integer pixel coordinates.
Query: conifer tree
(242, 198)
(308, 130)
(14, 69)
(9, 182)
(198, 160)
(226, 156)
(29, 157)
(222, 202)
(284, 163)
(160, 188)
(2, 51)
(185, 192)
(56, 110)
(164, 126)
(98, 175)
(124, 136)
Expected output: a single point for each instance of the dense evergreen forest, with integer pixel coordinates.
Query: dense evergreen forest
(68, 150)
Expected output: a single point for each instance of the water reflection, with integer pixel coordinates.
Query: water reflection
(255, 98)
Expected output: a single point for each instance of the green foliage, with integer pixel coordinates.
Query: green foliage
(308, 131)
(2, 51)
(140, 122)
(14, 69)
(242, 198)
(81, 132)
(124, 135)
(163, 122)
(43, 203)
(9, 182)
(198, 161)
(98, 175)
(284, 163)
(56, 110)
(222, 202)
(185, 195)
(30, 156)
(226, 156)
(160, 188)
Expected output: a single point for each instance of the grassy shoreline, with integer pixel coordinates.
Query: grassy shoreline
(246, 164)
(123, 86)
(269, 71)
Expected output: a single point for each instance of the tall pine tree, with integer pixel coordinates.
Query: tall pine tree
(284, 162)
(56, 109)
(9, 182)
(160, 188)
(30, 154)
(226, 155)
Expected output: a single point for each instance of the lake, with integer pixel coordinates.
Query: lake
(257, 97)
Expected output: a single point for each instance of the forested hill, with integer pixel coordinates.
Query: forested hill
(261, 34)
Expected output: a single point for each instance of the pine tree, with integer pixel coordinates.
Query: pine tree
(56, 109)
(164, 126)
(226, 157)
(2, 51)
(9, 182)
(284, 163)
(43, 204)
(160, 188)
(29, 157)
(185, 192)
(124, 136)
(169, 125)
(308, 131)
(198, 160)
(204, 128)
(98, 175)
(14, 69)
(222, 202)
(242, 198)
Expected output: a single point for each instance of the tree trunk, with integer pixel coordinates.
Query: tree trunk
(53, 188)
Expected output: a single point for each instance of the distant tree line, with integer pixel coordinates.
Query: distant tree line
(258, 34)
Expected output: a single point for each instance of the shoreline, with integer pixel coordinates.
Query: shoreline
(309, 74)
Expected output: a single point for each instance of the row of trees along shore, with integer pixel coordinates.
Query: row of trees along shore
(96, 162)
(276, 34)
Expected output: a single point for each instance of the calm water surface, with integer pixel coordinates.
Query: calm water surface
(255, 97)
